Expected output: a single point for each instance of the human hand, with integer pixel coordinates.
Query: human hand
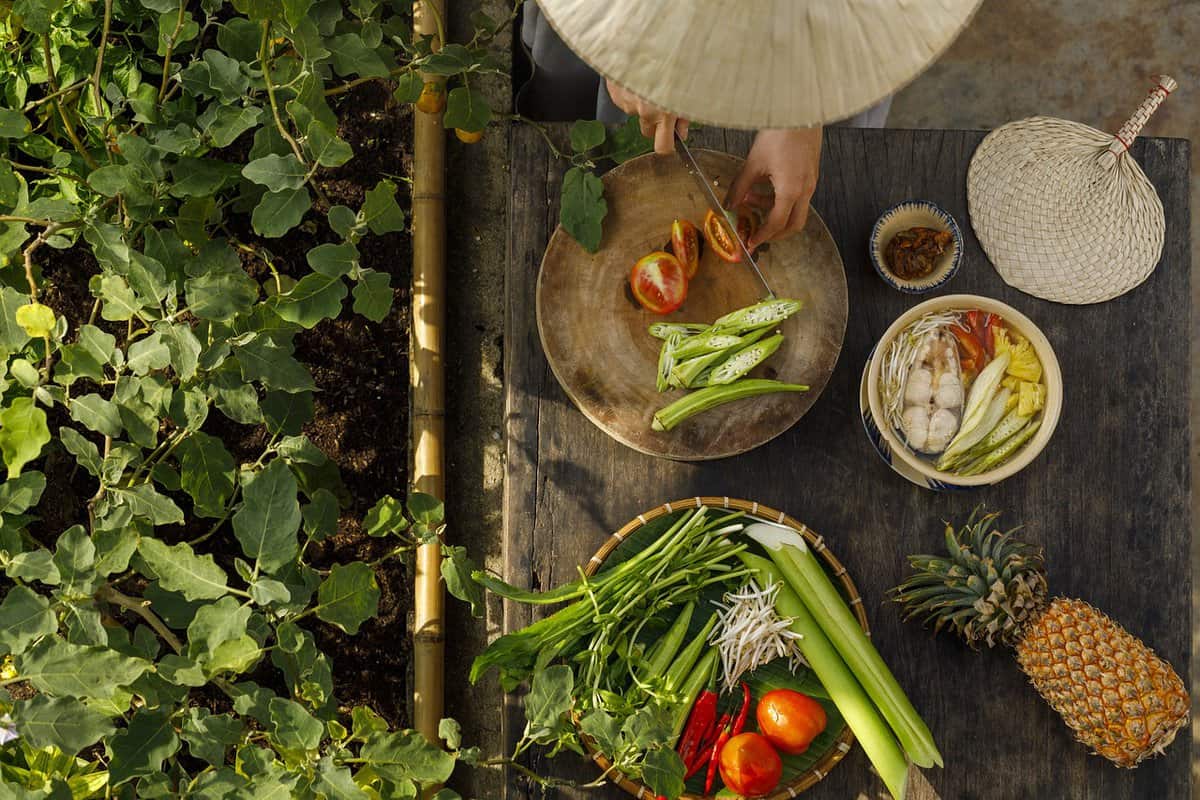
(657, 124)
(789, 160)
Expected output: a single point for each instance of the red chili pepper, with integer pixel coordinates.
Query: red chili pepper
(699, 723)
(969, 347)
(715, 755)
(740, 721)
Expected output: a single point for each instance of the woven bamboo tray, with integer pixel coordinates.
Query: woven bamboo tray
(845, 739)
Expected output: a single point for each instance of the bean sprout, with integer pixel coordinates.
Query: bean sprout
(749, 633)
(898, 359)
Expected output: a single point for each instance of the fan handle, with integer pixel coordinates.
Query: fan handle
(1123, 139)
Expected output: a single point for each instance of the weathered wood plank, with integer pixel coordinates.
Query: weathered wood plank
(1108, 500)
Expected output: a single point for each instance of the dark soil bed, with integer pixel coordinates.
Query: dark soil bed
(361, 406)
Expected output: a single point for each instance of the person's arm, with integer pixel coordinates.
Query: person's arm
(657, 124)
(789, 160)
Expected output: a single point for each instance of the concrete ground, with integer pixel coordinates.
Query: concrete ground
(1086, 60)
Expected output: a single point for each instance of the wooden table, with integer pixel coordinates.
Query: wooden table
(1108, 499)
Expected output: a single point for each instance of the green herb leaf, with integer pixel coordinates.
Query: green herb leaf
(141, 748)
(267, 522)
(373, 295)
(349, 596)
(179, 569)
(24, 616)
(276, 172)
(57, 667)
(586, 134)
(456, 571)
(61, 722)
(23, 434)
(75, 560)
(467, 109)
(663, 771)
(385, 517)
(22, 493)
(583, 207)
(407, 756)
(380, 211)
(209, 735)
(206, 473)
(279, 212)
(314, 298)
(333, 260)
(292, 727)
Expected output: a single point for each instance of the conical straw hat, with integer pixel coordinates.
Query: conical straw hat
(760, 63)
(1063, 211)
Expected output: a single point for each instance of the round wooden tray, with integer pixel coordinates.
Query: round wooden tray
(594, 332)
(840, 745)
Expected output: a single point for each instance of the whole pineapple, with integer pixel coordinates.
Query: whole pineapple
(1121, 699)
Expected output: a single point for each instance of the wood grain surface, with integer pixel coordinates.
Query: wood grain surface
(1108, 500)
(594, 332)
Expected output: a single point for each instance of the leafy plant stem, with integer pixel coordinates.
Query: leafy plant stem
(48, 231)
(100, 54)
(342, 88)
(166, 68)
(91, 503)
(68, 125)
(54, 95)
(438, 23)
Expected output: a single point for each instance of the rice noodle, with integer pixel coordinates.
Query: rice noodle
(749, 633)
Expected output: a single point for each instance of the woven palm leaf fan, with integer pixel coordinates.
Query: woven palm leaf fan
(1063, 211)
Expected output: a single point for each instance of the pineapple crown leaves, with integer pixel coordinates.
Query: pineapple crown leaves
(987, 587)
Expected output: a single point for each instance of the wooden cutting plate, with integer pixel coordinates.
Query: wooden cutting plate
(594, 332)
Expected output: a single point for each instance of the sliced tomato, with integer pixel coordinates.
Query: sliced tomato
(685, 241)
(720, 238)
(969, 348)
(659, 282)
(749, 765)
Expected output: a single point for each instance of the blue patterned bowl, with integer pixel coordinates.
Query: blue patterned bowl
(915, 214)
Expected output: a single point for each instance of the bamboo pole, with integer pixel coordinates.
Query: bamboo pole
(427, 382)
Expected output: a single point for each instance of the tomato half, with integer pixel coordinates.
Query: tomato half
(685, 241)
(749, 765)
(659, 282)
(790, 720)
(720, 239)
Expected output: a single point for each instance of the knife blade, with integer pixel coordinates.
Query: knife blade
(714, 203)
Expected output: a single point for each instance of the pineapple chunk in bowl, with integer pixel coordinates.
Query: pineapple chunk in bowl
(1045, 394)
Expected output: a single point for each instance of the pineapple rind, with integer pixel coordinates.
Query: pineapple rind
(1120, 698)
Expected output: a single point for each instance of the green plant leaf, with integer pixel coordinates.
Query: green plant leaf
(148, 354)
(276, 172)
(279, 212)
(450, 60)
(178, 569)
(144, 501)
(61, 722)
(583, 207)
(314, 298)
(627, 142)
(75, 559)
(98, 414)
(57, 667)
(182, 346)
(269, 518)
(456, 571)
(380, 211)
(333, 260)
(321, 515)
(352, 56)
(142, 747)
(468, 109)
(220, 294)
(408, 87)
(373, 295)
(12, 336)
(336, 783)
(23, 434)
(663, 771)
(120, 303)
(349, 596)
(325, 147)
(292, 727)
(586, 134)
(215, 624)
(36, 14)
(22, 493)
(287, 412)
(34, 565)
(426, 509)
(209, 735)
(385, 517)
(265, 361)
(13, 124)
(24, 616)
(407, 756)
(206, 473)
(227, 123)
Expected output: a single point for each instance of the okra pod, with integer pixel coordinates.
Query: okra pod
(678, 672)
(664, 651)
(666, 362)
(665, 330)
(704, 399)
(766, 313)
(744, 360)
(1002, 453)
(699, 677)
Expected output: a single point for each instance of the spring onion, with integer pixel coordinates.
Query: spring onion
(693, 403)
(855, 706)
(803, 573)
(751, 633)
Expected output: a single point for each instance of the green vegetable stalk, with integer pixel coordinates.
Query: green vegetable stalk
(805, 576)
(847, 694)
(704, 399)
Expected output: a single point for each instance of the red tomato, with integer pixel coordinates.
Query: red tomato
(719, 238)
(685, 241)
(969, 348)
(749, 765)
(790, 720)
(659, 282)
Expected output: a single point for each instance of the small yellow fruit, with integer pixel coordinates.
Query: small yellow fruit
(433, 98)
(468, 137)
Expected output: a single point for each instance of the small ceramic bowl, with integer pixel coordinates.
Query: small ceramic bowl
(895, 452)
(915, 214)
